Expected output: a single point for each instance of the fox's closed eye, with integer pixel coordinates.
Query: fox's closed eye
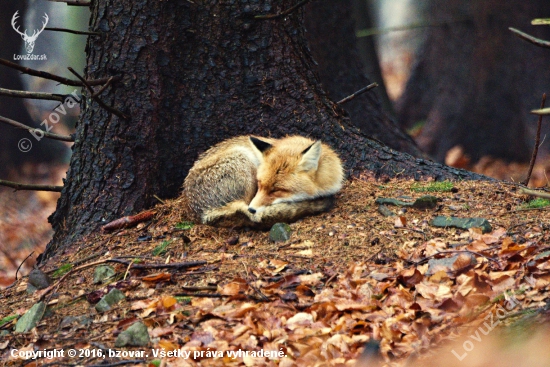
(278, 190)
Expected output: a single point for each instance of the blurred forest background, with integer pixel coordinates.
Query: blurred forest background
(451, 75)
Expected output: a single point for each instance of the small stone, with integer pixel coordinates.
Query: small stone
(39, 279)
(29, 320)
(385, 211)
(232, 241)
(462, 223)
(136, 336)
(109, 300)
(280, 232)
(425, 202)
(102, 273)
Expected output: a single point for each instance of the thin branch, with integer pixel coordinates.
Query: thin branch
(19, 186)
(203, 295)
(73, 2)
(283, 13)
(45, 291)
(159, 199)
(359, 92)
(72, 31)
(376, 31)
(541, 21)
(524, 210)
(31, 95)
(542, 111)
(128, 221)
(96, 98)
(540, 194)
(182, 265)
(537, 142)
(196, 289)
(529, 38)
(45, 134)
(21, 264)
(98, 93)
(57, 78)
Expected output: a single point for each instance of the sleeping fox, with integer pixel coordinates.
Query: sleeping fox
(256, 182)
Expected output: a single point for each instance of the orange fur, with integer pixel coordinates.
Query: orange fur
(252, 181)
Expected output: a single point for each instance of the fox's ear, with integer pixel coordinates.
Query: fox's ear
(261, 145)
(310, 157)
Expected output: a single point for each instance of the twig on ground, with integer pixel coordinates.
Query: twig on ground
(537, 142)
(19, 186)
(45, 134)
(182, 265)
(128, 221)
(188, 264)
(159, 199)
(203, 295)
(531, 39)
(196, 289)
(202, 271)
(540, 194)
(21, 264)
(331, 279)
(283, 13)
(359, 92)
(524, 210)
(262, 296)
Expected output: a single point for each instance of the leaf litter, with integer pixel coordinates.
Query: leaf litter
(344, 280)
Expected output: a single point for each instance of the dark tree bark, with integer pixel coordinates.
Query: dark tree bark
(14, 108)
(193, 74)
(476, 82)
(331, 34)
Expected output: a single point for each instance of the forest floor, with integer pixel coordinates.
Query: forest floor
(344, 278)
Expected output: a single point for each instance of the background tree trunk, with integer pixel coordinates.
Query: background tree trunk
(14, 108)
(476, 82)
(193, 74)
(331, 35)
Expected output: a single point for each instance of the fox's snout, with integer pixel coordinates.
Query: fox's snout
(259, 202)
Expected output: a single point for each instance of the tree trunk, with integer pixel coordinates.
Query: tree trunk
(331, 35)
(14, 108)
(476, 82)
(193, 74)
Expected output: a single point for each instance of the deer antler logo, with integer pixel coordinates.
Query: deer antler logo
(29, 40)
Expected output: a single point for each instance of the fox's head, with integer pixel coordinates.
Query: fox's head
(294, 169)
